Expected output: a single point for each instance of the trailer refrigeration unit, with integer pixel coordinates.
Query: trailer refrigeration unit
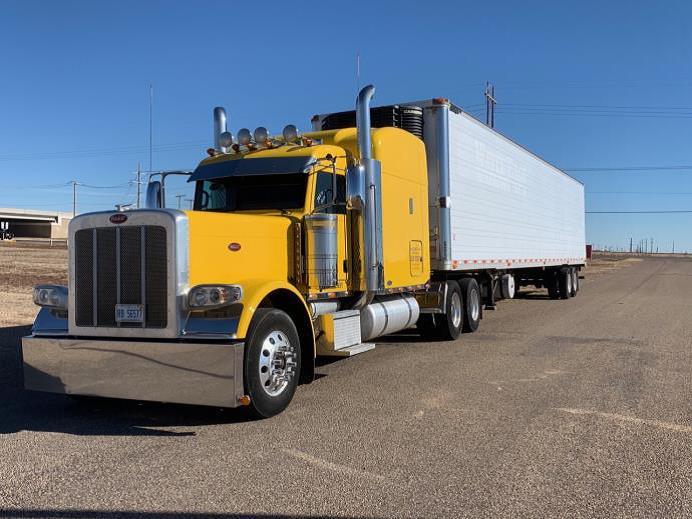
(302, 245)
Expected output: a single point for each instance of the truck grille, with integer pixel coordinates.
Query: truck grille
(126, 265)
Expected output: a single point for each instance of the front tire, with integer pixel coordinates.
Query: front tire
(272, 362)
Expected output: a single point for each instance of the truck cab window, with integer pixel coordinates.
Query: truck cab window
(252, 192)
(324, 189)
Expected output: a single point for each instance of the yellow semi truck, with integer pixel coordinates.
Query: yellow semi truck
(297, 245)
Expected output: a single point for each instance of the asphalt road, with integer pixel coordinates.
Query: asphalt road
(553, 408)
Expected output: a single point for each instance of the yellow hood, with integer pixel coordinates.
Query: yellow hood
(234, 247)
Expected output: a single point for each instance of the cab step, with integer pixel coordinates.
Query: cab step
(340, 334)
(349, 351)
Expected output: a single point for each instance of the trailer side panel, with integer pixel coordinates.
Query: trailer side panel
(509, 208)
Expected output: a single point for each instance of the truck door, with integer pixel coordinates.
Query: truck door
(325, 202)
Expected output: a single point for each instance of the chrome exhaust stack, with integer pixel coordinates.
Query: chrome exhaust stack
(220, 127)
(370, 169)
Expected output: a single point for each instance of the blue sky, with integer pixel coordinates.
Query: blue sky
(583, 84)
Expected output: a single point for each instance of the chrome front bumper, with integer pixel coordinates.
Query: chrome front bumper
(179, 372)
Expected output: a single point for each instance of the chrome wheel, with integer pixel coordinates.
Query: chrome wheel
(474, 305)
(569, 283)
(277, 363)
(455, 310)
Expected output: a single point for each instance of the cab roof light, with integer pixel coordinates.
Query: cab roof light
(290, 133)
(244, 137)
(261, 135)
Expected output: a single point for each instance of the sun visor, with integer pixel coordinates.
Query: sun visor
(248, 167)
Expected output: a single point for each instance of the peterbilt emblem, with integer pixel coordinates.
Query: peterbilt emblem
(234, 247)
(118, 218)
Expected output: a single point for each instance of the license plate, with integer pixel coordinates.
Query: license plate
(129, 313)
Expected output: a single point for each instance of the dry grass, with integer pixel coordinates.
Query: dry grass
(22, 267)
(602, 263)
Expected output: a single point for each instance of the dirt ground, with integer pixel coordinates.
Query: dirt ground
(22, 267)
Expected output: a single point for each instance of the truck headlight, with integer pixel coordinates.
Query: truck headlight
(204, 297)
(51, 296)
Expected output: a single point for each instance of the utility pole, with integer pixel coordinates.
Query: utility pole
(490, 103)
(139, 183)
(74, 198)
(630, 245)
(180, 200)
(189, 200)
(673, 246)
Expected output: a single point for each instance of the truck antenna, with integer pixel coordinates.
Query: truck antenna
(151, 126)
(357, 71)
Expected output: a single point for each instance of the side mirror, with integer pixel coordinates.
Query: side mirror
(154, 199)
(355, 188)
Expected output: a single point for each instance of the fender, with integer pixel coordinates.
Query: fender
(256, 291)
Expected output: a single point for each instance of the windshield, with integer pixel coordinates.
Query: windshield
(254, 192)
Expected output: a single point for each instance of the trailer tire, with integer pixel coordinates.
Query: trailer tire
(471, 295)
(272, 338)
(565, 283)
(508, 286)
(575, 283)
(552, 284)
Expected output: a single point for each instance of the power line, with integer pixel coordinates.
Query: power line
(654, 193)
(631, 168)
(607, 107)
(117, 186)
(96, 152)
(629, 115)
(637, 212)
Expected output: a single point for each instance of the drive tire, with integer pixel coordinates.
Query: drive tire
(272, 336)
(471, 296)
(448, 326)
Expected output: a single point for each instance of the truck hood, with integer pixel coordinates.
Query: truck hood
(233, 247)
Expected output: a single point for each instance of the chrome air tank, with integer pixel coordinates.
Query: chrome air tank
(388, 314)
